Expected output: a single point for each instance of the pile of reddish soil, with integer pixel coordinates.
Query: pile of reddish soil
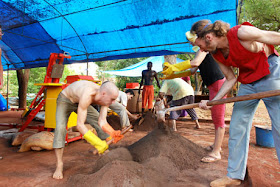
(160, 143)
(154, 160)
(148, 124)
(116, 154)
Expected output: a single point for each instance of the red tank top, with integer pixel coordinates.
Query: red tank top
(252, 66)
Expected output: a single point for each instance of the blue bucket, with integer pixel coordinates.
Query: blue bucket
(264, 136)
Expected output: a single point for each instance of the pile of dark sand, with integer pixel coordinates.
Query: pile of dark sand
(149, 123)
(155, 160)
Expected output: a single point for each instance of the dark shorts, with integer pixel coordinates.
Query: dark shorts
(184, 101)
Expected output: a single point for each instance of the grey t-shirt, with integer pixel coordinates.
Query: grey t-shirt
(122, 98)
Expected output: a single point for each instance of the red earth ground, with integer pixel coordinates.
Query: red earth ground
(36, 168)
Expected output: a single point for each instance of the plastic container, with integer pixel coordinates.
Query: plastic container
(72, 78)
(264, 136)
(3, 103)
(134, 105)
(132, 85)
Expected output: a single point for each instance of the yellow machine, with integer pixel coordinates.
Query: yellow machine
(47, 96)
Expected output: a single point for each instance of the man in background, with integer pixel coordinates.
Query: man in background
(148, 77)
(120, 107)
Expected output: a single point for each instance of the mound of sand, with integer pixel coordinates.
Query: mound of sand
(182, 152)
(148, 124)
(116, 154)
(157, 159)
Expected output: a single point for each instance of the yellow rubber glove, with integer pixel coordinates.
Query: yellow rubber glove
(170, 68)
(177, 75)
(99, 144)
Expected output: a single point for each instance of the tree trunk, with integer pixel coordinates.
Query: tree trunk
(23, 78)
(170, 58)
(240, 4)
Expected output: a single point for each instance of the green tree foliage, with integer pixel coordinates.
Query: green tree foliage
(121, 80)
(264, 14)
(37, 75)
(119, 64)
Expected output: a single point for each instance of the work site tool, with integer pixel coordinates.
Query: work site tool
(51, 83)
(137, 102)
(125, 130)
(260, 95)
(47, 95)
(140, 120)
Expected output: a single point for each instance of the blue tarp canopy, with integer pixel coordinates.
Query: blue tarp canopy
(98, 30)
(135, 70)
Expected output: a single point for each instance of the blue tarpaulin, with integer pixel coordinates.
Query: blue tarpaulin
(135, 70)
(98, 30)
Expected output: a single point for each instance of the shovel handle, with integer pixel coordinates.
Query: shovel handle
(189, 106)
(137, 102)
(259, 95)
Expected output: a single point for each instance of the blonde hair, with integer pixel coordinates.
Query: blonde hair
(203, 27)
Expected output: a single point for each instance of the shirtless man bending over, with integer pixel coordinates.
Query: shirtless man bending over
(78, 97)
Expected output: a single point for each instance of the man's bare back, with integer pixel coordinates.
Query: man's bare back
(81, 89)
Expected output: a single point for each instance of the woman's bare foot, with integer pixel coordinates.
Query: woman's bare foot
(197, 127)
(58, 172)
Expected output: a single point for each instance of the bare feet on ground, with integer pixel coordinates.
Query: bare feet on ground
(58, 172)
